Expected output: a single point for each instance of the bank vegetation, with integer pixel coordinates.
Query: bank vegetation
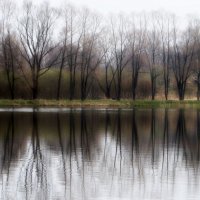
(74, 53)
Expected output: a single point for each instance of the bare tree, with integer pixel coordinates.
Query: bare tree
(36, 36)
(196, 72)
(152, 53)
(107, 65)
(73, 35)
(9, 54)
(11, 61)
(90, 56)
(61, 62)
(136, 39)
(164, 22)
(181, 59)
(70, 45)
(196, 60)
(119, 43)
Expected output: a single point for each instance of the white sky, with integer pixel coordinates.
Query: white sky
(179, 7)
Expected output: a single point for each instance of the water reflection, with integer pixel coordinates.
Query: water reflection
(100, 154)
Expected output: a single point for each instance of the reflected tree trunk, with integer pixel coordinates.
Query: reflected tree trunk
(61, 148)
(181, 134)
(166, 139)
(198, 134)
(85, 150)
(84, 136)
(153, 127)
(36, 168)
(135, 141)
(107, 124)
(118, 140)
(72, 144)
(8, 145)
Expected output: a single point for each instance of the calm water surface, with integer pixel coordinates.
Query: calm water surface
(99, 154)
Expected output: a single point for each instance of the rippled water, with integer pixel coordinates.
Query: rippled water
(99, 154)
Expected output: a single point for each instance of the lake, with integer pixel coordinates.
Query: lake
(107, 154)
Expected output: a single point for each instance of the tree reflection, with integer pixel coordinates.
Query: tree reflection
(135, 139)
(8, 143)
(118, 139)
(35, 169)
(85, 150)
(181, 134)
(165, 144)
(75, 149)
(153, 129)
(198, 134)
(107, 126)
(61, 149)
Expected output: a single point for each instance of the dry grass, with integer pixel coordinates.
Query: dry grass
(103, 103)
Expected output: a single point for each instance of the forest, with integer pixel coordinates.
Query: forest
(76, 53)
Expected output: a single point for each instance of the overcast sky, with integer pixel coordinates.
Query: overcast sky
(180, 7)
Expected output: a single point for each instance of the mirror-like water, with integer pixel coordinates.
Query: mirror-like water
(99, 154)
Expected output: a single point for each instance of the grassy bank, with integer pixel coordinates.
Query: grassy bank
(104, 103)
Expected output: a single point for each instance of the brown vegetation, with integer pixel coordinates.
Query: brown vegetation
(88, 56)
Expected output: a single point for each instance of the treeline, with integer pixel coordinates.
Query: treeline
(76, 53)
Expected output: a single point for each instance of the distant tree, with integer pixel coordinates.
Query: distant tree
(196, 60)
(61, 64)
(10, 58)
(119, 46)
(90, 55)
(36, 37)
(107, 65)
(165, 23)
(196, 72)
(72, 41)
(136, 39)
(182, 59)
(70, 46)
(11, 62)
(152, 54)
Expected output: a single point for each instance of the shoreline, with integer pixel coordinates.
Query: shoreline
(102, 103)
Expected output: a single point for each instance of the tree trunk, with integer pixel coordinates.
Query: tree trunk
(119, 91)
(59, 84)
(35, 91)
(119, 87)
(13, 93)
(198, 90)
(166, 86)
(153, 89)
(181, 91)
(166, 94)
(134, 85)
(83, 93)
(107, 92)
(71, 85)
